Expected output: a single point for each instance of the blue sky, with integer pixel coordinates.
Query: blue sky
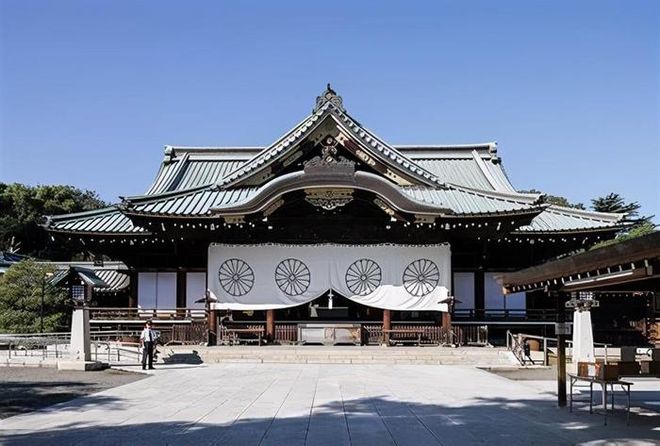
(91, 91)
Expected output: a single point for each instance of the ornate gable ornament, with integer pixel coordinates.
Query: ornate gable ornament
(331, 96)
(328, 199)
(329, 162)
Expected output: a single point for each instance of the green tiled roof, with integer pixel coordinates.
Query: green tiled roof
(107, 220)
(201, 181)
(563, 219)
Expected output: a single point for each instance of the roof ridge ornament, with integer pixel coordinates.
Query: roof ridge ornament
(329, 95)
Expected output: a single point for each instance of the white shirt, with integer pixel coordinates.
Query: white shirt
(147, 335)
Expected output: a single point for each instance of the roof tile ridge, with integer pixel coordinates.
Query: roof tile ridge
(417, 170)
(178, 170)
(89, 213)
(586, 213)
(482, 167)
(155, 197)
(242, 170)
(501, 195)
(469, 146)
(204, 148)
(158, 175)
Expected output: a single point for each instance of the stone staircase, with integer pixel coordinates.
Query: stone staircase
(475, 356)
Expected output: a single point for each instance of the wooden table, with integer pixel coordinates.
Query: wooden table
(234, 335)
(417, 334)
(625, 386)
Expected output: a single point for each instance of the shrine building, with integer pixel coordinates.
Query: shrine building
(331, 224)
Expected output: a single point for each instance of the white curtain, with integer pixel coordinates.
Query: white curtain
(393, 277)
(583, 337)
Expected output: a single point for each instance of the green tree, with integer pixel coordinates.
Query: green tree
(22, 211)
(21, 289)
(555, 199)
(615, 203)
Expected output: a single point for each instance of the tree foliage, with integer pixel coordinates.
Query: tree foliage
(22, 211)
(21, 289)
(555, 199)
(615, 203)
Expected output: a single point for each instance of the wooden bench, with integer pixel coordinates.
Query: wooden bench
(235, 338)
(409, 336)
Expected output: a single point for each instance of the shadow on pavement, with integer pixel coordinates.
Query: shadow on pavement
(368, 421)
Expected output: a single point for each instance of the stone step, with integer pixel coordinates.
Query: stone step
(343, 355)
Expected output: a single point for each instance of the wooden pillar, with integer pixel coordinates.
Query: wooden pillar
(387, 325)
(446, 320)
(446, 327)
(561, 352)
(270, 325)
(181, 289)
(213, 327)
(133, 290)
(89, 293)
(479, 294)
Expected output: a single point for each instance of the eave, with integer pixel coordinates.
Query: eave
(629, 261)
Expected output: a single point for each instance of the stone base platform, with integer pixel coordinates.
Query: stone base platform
(478, 356)
(83, 366)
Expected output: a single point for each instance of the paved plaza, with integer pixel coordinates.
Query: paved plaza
(329, 404)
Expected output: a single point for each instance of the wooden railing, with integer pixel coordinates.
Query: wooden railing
(531, 314)
(286, 333)
(193, 333)
(225, 336)
(103, 313)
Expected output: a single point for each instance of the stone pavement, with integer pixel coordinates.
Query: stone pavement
(327, 404)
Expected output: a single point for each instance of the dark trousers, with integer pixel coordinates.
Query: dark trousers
(148, 351)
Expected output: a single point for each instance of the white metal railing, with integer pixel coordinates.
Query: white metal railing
(36, 344)
(116, 351)
(515, 342)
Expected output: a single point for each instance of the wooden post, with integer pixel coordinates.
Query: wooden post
(213, 327)
(133, 290)
(181, 277)
(561, 352)
(446, 327)
(270, 325)
(387, 325)
(479, 294)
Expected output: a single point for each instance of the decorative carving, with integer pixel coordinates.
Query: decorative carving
(365, 157)
(424, 218)
(273, 207)
(291, 159)
(386, 208)
(329, 199)
(235, 219)
(329, 151)
(331, 96)
(340, 166)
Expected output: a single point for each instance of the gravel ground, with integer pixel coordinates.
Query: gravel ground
(24, 389)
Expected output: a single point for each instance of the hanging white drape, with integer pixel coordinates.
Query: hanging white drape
(583, 337)
(393, 277)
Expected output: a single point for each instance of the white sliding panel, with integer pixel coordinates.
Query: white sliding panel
(166, 290)
(195, 289)
(147, 290)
